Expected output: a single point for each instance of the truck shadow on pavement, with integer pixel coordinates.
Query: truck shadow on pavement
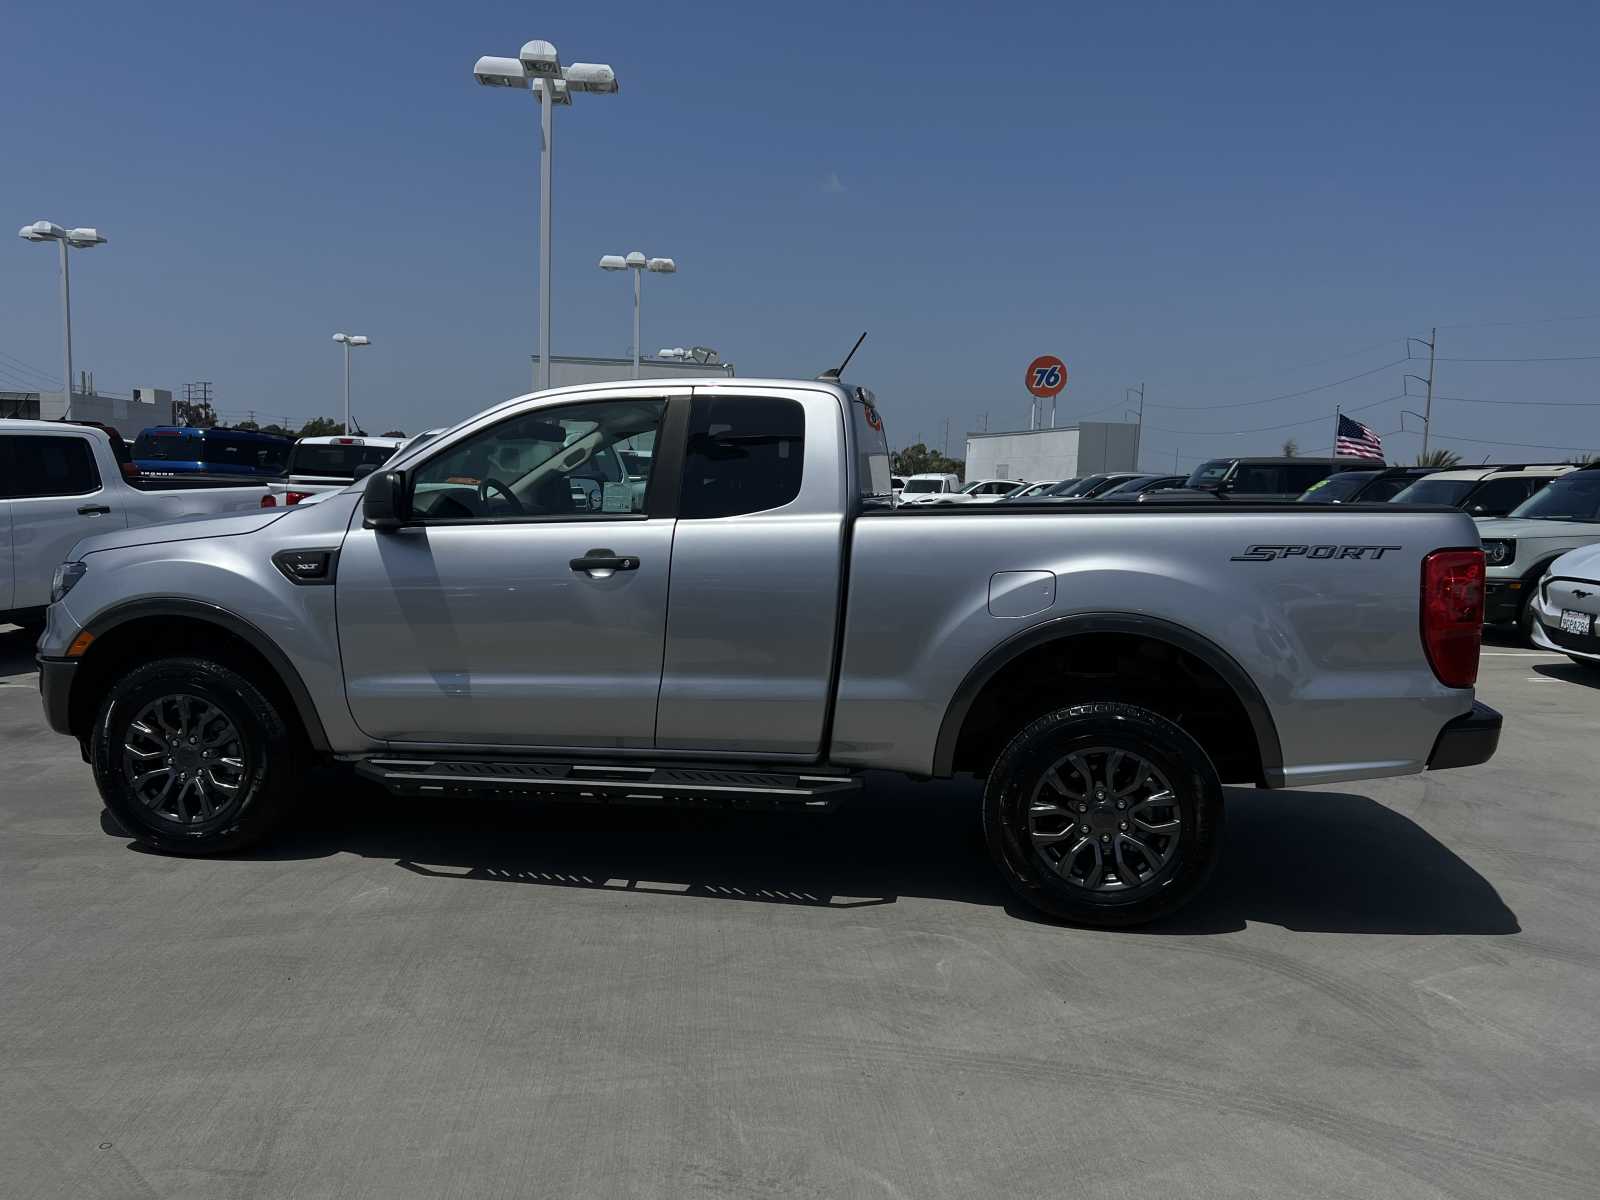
(16, 651)
(1569, 673)
(1312, 861)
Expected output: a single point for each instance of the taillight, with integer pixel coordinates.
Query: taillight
(1452, 614)
(269, 501)
(296, 497)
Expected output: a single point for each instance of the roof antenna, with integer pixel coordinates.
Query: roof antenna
(833, 375)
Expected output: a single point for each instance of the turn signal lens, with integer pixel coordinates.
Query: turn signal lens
(1452, 614)
(80, 644)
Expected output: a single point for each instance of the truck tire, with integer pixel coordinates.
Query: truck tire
(1104, 814)
(191, 757)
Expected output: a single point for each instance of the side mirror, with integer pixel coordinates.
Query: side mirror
(386, 502)
(363, 471)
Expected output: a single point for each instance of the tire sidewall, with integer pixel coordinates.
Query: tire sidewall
(268, 751)
(1173, 752)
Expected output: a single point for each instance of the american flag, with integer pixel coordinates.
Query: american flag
(1355, 440)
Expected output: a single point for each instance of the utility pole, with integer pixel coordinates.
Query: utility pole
(946, 450)
(1427, 407)
(1138, 432)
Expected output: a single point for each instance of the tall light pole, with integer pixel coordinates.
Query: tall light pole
(77, 239)
(638, 264)
(538, 67)
(349, 340)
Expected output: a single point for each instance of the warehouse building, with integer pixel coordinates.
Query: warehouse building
(1065, 452)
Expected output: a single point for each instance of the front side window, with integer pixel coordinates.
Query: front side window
(745, 455)
(551, 463)
(1256, 480)
(1498, 497)
(50, 466)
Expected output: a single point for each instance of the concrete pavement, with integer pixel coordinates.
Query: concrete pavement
(1389, 990)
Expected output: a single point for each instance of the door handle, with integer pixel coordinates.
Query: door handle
(604, 560)
(93, 510)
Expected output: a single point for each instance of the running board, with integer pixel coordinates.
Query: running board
(607, 783)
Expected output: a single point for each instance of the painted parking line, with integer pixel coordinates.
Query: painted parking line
(1520, 654)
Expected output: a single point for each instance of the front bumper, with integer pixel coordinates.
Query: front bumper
(1467, 740)
(1502, 600)
(55, 689)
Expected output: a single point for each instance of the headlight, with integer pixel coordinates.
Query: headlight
(65, 579)
(1499, 551)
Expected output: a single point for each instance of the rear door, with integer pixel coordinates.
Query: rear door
(756, 569)
(56, 497)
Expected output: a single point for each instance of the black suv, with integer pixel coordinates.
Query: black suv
(1264, 479)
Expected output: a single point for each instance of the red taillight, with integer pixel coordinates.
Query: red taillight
(269, 501)
(1452, 614)
(296, 497)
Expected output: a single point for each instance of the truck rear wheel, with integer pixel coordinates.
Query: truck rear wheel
(191, 757)
(1104, 814)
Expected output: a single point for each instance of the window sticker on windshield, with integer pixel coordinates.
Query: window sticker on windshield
(618, 498)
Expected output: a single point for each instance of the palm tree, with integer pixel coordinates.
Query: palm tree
(1291, 448)
(1439, 458)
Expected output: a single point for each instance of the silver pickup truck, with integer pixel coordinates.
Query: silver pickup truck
(703, 593)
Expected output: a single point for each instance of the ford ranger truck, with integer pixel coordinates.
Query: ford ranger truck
(504, 612)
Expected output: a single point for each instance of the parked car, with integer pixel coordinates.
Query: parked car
(1362, 486)
(984, 491)
(897, 484)
(1519, 548)
(920, 489)
(1487, 491)
(61, 482)
(189, 449)
(440, 634)
(1256, 479)
(1566, 607)
(326, 464)
(1088, 487)
(1131, 489)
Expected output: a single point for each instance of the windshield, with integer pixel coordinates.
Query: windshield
(972, 489)
(1127, 485)
(1449, 492)
(1338, 487)
(1209, 474)
(335, 461)
(175, 447)
(1077, 487)
(924, 485)
(1575, 497)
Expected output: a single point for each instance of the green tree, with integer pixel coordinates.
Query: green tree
(919, 460)
(251, 425)
(1438, 458)
(320, 427)
(1586, 459)
(275, 429)
(395, 433)
(1291, 448)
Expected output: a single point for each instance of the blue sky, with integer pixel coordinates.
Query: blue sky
(1228, 202)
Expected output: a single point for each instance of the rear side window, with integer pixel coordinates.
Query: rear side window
(1497, 497)
(1257, 479)
(51, 466)
(745, 455)
(1299, 478)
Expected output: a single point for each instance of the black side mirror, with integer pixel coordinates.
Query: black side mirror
(363, 471)
(386, 502)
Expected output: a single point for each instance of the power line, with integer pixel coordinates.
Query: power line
(1526, 403)
(1321, 387)
(1271, 428)
(1486, 442)
(1556, 358)
(1510, 324)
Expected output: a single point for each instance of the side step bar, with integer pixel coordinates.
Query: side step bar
(608, 783)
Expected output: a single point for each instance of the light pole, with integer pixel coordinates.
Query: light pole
(539, 66)
(349, 340)
(638, 264)
(77, 239)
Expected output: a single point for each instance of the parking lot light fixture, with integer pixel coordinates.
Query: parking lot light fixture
(638, 264)
(350, 340)
(76, 239)
(538, 68)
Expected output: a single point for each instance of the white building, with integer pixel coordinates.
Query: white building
(571, 370)
(149, 406)
(1065, 452)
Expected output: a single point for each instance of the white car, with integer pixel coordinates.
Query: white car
(920, 489)
(326, 464)
(984, 491)
(1566, 607)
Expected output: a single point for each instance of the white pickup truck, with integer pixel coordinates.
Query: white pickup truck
(59, 483)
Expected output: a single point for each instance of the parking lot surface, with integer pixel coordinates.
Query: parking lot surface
(1390, 990)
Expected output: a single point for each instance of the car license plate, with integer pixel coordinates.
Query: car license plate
(1579, 623)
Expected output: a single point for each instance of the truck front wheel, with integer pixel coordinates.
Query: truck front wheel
(191, 757)
(1104, 814)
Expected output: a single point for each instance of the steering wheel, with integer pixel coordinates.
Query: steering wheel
(488, 484)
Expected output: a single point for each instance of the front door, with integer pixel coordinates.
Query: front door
(56, 499)
(527, 604)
